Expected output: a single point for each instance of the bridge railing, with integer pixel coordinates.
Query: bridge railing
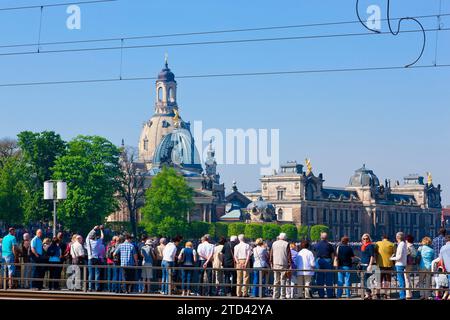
(171, 280)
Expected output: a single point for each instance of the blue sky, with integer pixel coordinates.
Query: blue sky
(394, 121)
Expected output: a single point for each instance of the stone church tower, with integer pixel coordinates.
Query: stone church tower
(162, 122)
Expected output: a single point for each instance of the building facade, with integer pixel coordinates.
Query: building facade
(166, 140)
(364, 205)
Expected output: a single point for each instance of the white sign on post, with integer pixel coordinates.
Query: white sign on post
(61, 190)
(48, 190)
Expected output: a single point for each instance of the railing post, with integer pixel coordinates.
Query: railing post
(363, 275)
(170, 281)
(84, 278)
(260, 283)
(5, 272)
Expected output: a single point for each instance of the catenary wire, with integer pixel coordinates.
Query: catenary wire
(222, 75)
(56, 5)
(201, 33)
(209, 42)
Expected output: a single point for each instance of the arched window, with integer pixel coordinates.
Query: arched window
(280, 214)
(160, 93)
(171, 95)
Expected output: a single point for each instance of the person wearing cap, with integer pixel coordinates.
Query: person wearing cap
(9, 251)
(148, 256)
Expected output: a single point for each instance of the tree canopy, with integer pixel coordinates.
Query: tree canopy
(91, 169)
(167, 203)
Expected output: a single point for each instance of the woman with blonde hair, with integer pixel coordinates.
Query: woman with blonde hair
(260, 263)
(426, 254)
(367, 262)
(187, 259)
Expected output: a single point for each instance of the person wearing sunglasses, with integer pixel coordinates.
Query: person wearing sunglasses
(367, 262)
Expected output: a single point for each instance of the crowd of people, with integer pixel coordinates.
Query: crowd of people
(231, 267)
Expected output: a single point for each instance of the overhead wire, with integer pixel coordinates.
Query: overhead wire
(222, 75)
(55, 5)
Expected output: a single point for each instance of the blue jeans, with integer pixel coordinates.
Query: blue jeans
(255, 289)
(401, 280)
(325, 278)
(166, 265)
(94, 270)
(344, 280)
(186, 278)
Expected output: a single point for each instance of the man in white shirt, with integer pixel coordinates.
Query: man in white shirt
(93, 247)
(400, 259)
(305, 261)
(205, 252)
(242, 253)
(168, 262)
(77, 250)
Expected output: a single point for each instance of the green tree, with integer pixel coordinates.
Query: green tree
(253, 231)
(91, 169)
(39, 153)
(197, 229)
(317, 230)
(11, 191)
(220, 230)
(271, 231)
(168, 197)
(170, 227)
(236, 228)
(303, 232)
(290, 230)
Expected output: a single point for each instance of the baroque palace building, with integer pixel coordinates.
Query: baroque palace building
(364, 205)
(166, 140)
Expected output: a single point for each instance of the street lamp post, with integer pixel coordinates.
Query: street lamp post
(49, 194)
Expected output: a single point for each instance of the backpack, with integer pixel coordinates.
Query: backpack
(411, 258)
(110, 252)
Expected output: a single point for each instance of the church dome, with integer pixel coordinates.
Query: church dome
(364, 178)
(166, 74)
(178, 148)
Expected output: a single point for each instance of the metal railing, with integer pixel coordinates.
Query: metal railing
(214, 281)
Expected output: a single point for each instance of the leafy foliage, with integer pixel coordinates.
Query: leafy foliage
(303, 232)
(39, 152)
(236, 228)
(271, 231)
(197, 229)
(91, 169)
(11, 190)
(253, 231)
(317, 230)
(220, 230)
(290, 230)
(167, 202)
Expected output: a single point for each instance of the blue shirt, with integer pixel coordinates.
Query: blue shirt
(324, 249)
(426, 257)
(7, 245)
(367, 253)
(36, 243)
(126, 251)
